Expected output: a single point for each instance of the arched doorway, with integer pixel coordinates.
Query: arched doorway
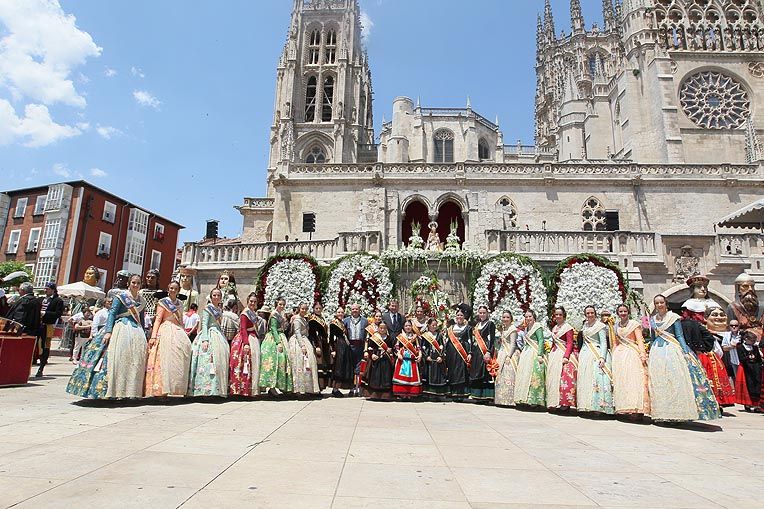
(448, 212)
(416, 211)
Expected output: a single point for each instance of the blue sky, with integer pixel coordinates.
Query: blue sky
(168, 103)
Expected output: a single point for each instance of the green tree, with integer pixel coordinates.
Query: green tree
(10, 267)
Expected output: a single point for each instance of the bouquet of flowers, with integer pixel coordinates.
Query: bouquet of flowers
(511, 282)
(415, 241)
(427, 291)
(453, 240)
(358, 279)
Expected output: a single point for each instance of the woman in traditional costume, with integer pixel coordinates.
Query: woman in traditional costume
(343, 370)
(716, 372)
(457, 353)
(169, 358)
(434, 363)
(630, 384)
(275, 372)
(595, 375)
(378, 375)
(318, 335)
(562, 364)
(679, 390)
(507, 361)
(302, 355)
(748, 381)
(114, 362)
(244, 364)
(419, 324)
(530, 382)
(481, 358)
(210, 357)
(406, 380)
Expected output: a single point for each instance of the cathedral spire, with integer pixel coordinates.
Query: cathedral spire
(539, 33)
(549, 30)
(608, 14)
(576, 17)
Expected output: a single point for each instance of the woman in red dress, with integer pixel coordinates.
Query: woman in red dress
(406, 380)
(562, 364)
(244, 363)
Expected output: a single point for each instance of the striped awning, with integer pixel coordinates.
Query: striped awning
(750, 216)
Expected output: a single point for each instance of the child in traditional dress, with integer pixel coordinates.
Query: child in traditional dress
(748, 379)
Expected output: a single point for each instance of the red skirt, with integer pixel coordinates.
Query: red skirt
(742, 396)
(718, 378)
(406, 382)
(568, 382)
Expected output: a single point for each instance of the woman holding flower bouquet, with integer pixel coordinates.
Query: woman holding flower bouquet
(562, 368)
(530, 383)
(507, 362)
(630, 387)
(595, 376)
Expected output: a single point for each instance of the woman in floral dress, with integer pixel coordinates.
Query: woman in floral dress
(595, 376)
(275, 372)
(302, 356)
(244, 364)
(169, 358)
(562, 368)
(679, 390)
(530, 382)
(630, 385)
(342, 357)
(114, 362)
(210, 353)
(507, 360)
(406, 380)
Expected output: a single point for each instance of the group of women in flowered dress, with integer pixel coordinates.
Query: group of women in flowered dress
(598, 369)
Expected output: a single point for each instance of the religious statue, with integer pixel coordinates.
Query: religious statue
(695, 307)
(433, 239)
(187, 287)
(92, 276)
(746, 309)
(150, 287)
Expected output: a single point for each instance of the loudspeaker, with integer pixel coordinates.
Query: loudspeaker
(212, 229)
(309, 222)
(612, 223)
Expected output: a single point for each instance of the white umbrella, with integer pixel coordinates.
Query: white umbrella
(14, 275)
(81, 289)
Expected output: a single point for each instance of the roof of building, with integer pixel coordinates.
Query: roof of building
(85, 183)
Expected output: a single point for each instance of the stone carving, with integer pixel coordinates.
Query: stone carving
(686, 265)
(756, 69)
(714, 100)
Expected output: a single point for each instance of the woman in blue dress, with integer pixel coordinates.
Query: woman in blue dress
(114, 362)
(210, 352)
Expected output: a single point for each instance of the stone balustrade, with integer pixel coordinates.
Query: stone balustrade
(737, 245)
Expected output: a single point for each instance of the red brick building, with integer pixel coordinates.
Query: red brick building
(61, 229)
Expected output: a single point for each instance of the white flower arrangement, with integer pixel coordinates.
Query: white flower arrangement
(408, 257)
(584, 284)
(358, 279)
(500, 283)
(292, 279)
(415, 241)
(453, 240)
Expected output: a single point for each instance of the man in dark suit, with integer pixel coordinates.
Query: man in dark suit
(356, 328)
(26, 310)
(51, 310)
(393, 319)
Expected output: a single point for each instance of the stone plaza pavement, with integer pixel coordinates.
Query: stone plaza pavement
(351, 453)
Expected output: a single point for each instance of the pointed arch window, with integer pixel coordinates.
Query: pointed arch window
(310, 99)
(330, 48)
(593, 215)
(444, 146)
(314, 47)
(328, 102)
(316, 156)
(484, 151)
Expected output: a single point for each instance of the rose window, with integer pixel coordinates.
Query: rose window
(714, 101)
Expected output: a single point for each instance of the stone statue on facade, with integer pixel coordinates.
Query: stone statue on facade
(433, 239)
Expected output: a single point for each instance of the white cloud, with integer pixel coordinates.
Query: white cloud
(107, 132)
(367, 24)
(34, 129)
(62, 170)
(137, 71)
(42, 45)
(97, 172)
(145, 98)
(83, 126)
(109, 72)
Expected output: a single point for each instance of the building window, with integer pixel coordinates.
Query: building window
(39, 206)
(102, 280)
(13, 242)
(316, 156)
(50, 234)
(104, 245)
(593, 215)
(444, 146)
(484, 152)
(109, 212)
(326, 110)
(713, 100)
(139, 221)
(34, 240)
(29, 267)
(508, 213)
(314, 49)
(21, 207)
(331, 47)
(156, 259)
(55, 197)
(159, 232)
(310, 99)
(46, 271)
(134, 251)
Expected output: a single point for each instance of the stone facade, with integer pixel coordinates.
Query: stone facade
(645, 138)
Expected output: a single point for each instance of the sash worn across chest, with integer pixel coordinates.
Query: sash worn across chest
(458, 346)
(589, 340)
(377, 339)
(408, 345)
(561, 331)
(215, 312)
(480, 341)
(172, 307)
(129, 303)
(430, 338)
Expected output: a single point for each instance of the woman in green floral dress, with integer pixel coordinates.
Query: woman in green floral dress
(530, 382)
(275, 372)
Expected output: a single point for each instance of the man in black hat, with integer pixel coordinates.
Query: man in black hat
(51, 310)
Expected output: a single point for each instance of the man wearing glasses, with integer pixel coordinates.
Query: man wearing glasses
(729, 346)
